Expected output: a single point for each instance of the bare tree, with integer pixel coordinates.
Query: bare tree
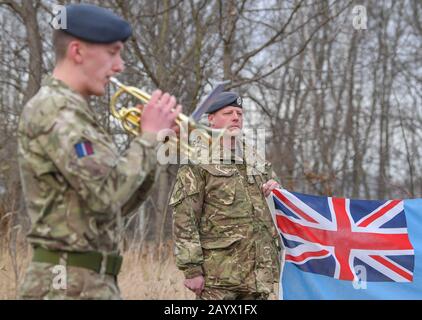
(342, 106)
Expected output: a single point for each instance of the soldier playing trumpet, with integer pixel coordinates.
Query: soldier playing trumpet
(76, 184)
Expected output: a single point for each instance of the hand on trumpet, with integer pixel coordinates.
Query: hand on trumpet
(160, 113)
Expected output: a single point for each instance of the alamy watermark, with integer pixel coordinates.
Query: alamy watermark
(60, 280)
(59, 21)
(200, 146)
(360, 281)
(360, 19)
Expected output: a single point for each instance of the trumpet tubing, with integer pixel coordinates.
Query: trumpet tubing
(131, 118)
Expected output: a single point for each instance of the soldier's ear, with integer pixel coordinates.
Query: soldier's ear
(210, 119)
(74, 51)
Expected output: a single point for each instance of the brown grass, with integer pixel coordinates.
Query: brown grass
(143, 277)
(151, 275)
(149, 278)
(11, 270)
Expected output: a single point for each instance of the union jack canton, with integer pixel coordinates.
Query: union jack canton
(332, 236)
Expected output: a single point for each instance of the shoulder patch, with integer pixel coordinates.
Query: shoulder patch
(84, 149)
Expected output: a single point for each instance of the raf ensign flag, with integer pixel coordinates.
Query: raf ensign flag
(337, 248)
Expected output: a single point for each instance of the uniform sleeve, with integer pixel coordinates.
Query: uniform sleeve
(273, 175)
(85, 155)
(276, 254)
(142, 193)
(187, 200)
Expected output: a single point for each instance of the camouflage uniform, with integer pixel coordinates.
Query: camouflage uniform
(76, 201)
(223, 230)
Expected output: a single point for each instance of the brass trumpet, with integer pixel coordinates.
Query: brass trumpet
(131, 118)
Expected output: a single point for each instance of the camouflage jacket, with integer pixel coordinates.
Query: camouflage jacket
(76, 185)
(223, 228)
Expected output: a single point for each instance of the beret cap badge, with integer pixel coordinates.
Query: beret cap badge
(225, 99)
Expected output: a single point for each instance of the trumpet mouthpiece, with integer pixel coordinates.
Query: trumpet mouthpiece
(116, 82)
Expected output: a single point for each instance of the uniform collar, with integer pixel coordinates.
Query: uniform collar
(51, 81)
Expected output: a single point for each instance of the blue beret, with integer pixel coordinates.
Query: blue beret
(225, 99)
(95, 24)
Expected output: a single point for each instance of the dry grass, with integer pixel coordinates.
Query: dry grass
(11, 272)
(143, 277)
(148, 278)
(152, 275)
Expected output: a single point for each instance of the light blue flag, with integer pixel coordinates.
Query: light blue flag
(336, 248)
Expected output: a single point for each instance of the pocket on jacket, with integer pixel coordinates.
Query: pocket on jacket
(221, 187)
(222, 262)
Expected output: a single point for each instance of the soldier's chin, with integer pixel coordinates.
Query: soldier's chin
(233, 132)
(98, 92)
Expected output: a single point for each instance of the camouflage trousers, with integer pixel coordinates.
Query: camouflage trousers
(210, 293)
(44, 281)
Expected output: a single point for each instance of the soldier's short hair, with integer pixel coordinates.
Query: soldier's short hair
(61, 42)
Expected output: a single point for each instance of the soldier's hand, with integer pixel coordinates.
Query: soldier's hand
(269, 186)
(196, 284)
(160, 113)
